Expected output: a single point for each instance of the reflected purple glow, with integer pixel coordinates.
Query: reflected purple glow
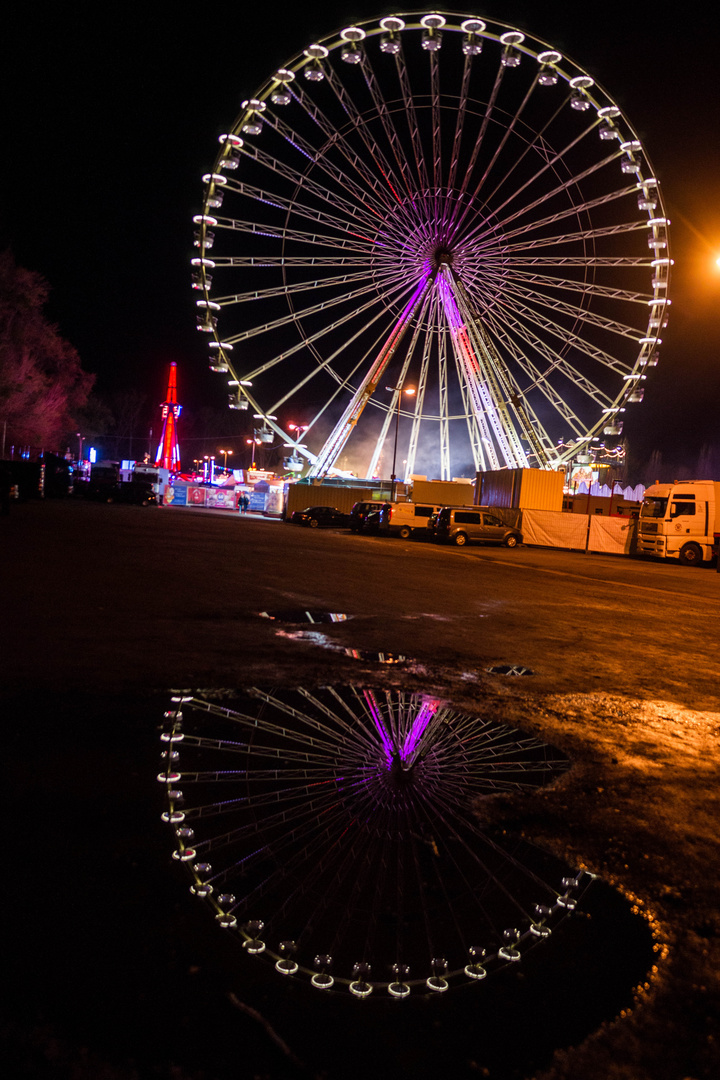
(400, 741)
(421, 721)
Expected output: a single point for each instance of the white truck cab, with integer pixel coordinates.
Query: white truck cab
(677, 521)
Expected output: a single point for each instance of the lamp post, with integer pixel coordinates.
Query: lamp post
(399, 391)
(226, 454)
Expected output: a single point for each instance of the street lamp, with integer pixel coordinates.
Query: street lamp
(253, 443)
(410, 390)
(226, 454)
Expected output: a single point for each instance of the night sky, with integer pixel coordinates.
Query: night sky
(111, 115)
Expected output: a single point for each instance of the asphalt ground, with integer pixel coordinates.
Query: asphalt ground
(107, 607)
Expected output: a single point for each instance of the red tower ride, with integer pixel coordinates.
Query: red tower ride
(168, 454)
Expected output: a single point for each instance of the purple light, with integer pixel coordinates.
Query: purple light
(420, 722)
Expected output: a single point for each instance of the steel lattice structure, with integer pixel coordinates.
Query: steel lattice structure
(335, 831)
(436, 201)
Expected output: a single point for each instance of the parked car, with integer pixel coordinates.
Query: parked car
(433, 519)
(461, 525)
(316, 516)
(360, 513)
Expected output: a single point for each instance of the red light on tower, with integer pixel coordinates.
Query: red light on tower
(168, 454)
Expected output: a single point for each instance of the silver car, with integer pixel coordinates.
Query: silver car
(461, 525)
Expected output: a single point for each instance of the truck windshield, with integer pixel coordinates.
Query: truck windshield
(654, 508)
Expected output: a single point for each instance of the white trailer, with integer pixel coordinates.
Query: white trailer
(680, 520)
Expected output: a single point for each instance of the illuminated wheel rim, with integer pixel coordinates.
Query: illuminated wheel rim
(441, 203)
(334, 833)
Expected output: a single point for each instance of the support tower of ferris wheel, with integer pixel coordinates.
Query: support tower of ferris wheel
(441, 202)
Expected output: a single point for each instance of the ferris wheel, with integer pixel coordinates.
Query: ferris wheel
(438, 228)
(335, 833)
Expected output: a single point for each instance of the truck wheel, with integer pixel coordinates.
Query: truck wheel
(690, 555)
(404, 533)
(460, 539)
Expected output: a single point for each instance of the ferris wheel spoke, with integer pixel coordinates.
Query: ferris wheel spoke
(358, 121)
(294, 262)
(572, 311)
(308, 213)
(348, 724)
(300, 810)
(471, 389)
(474, 430)
(389, 128)
(338, 730)
(411, 114)
(305, 313)
(325, 364)
(566, 336)
(500, 384)
(581, 235)
(409, 357)
(442, 813)
(460, 120)
(271, 292)
(613, 262)
(307, 339)
(436, 131)
(422, 382)
(526, 280)
(573, 211)
(478, 144)
(550, 162)
(540, 381)
(250, 722)
(509, 131)
(557, 365)
(352, 413)
(480, 372)
(443, 404)
(362, 182)
(545, 197)
(284, 233)
(362, 210)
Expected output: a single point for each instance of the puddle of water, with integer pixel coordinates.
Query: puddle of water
(280, 804)
(377, 657)
(510, 669)
(298, 615)
(314, 637)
